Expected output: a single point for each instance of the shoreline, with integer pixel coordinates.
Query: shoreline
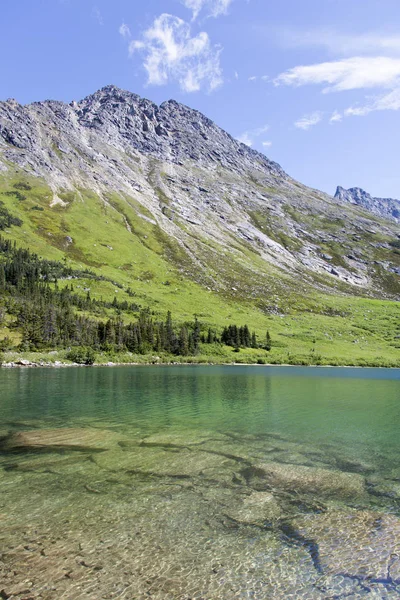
(25, 364)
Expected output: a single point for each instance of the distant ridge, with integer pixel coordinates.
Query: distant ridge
(388, 208)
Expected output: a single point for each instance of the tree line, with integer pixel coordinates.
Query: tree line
(47, 314)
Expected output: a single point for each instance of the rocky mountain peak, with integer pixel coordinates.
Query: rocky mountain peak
(215, 199)
(125, 121)
(387, 208)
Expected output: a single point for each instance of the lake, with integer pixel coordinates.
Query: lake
(200, 482)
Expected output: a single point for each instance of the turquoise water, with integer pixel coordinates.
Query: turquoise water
(200, 482)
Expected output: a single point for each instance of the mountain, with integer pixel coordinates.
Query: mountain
(161, 203)
(387, 208)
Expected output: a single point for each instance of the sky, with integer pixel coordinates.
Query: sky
(313, 84)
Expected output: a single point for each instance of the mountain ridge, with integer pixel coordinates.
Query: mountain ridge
(388, 208)
(207, 192)
(143, 209)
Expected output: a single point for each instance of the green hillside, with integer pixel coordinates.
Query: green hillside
(127, 256)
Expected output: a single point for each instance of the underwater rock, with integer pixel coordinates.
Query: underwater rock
(182, 438)
(4, 433)
(311, 480)
(43, 463)
(260, 508)
(161, 462)
(62, 439)
(385, 488)
(361, 544)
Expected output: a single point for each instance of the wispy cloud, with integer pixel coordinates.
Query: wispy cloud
(309, 120)
(245, 138)
(171, 53)
(249, 137)
(97, 15)
(267, 144)
(125, 31)
(261, 78)
(347, 74)
(358, 73)
(212, 8)
(390, 101)
(342, 44)
(336, 117)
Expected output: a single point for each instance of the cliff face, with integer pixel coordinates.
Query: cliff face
(387, 208)
(239, 220)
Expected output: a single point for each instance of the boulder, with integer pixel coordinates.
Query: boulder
(62, 439)
(4, 433)
(311, 480)
(162, 462)
(186, 437)
(362, 544)
(257, 509)
(22, 362)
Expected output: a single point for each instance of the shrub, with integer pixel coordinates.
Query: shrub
(82, 355)
(5, 344)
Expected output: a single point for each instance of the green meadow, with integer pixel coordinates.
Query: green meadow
(117, 239)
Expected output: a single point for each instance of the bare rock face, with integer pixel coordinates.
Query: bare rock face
(388, 208)
(36, 134)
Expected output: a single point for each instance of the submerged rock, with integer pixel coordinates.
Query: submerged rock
(257, 509)
(4, 433)
(162, 462)
(311, 480)
(43, 463)
(182, 438)
(361, 544)
(61, 439)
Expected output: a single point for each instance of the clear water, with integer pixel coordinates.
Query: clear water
(199, 482)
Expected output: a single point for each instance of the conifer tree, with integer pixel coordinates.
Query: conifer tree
(268, 342)
(183, 346)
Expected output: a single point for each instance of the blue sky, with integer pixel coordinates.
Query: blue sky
(315, 84)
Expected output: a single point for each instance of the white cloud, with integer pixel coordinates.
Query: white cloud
(250, 136)
(267, 144)
(343, 44)
(214, 8)
(357, 111)
(172, 54)
(347, 74)
(125, 31)
(336, 117)
(372, 63)
(351, 74)
(255, 78)
(245, 138)
(390, 101)
(309, 120)
(97, 15)
(236, 75)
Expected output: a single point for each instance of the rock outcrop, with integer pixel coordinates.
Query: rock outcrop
(387, 208)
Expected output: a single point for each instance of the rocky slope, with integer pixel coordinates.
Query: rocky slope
(226, 216)
(387, 208)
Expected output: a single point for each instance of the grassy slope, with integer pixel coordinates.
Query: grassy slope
(307, 328)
